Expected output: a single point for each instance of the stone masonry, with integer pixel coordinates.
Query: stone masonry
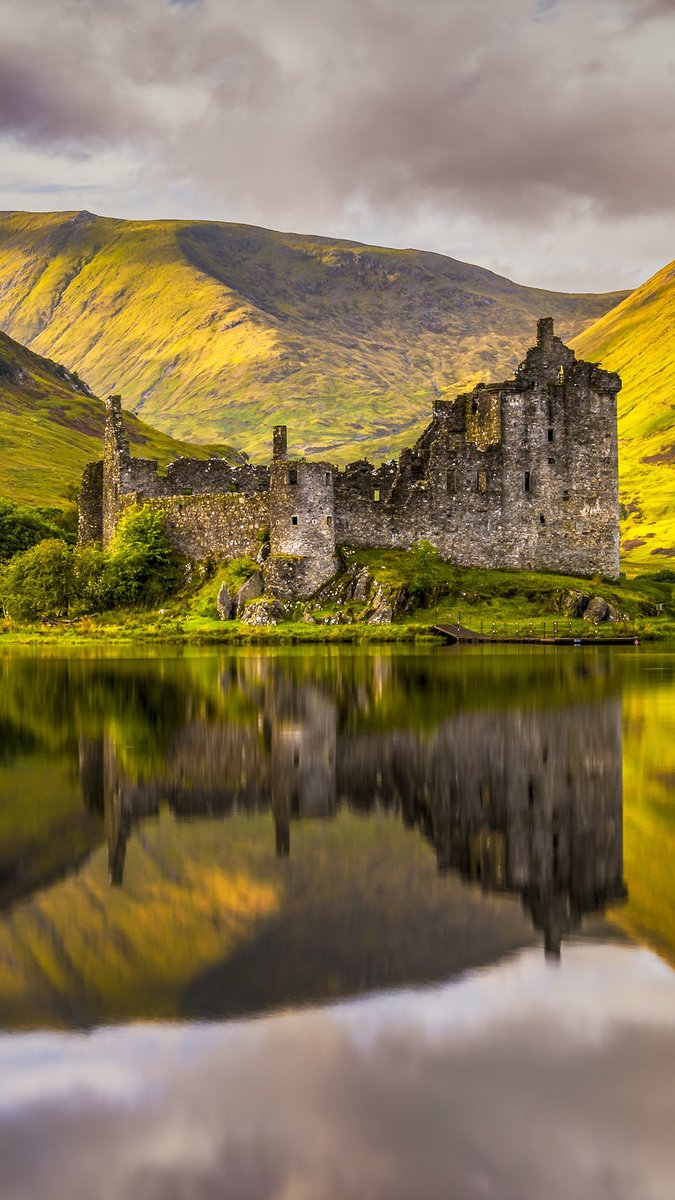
(521, 474)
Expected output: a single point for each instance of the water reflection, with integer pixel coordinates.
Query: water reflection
(283, 830)
(498, 1086)
(527, 801)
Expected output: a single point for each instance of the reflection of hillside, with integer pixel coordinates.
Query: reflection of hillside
(524, 801)
(229, 789)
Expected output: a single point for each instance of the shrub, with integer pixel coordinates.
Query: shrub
(422, 570)
(92, 577)
(22, 527)
(38, 582)
(142, 566)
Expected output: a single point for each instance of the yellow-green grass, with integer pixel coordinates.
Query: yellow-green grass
(51, 425)
(217, 332)
(511, 603)
(637, 339)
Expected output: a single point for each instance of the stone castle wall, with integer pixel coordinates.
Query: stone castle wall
(522, 474)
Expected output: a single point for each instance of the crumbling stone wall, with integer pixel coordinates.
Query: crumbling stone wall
(217, 526)
(521, 474)
(90, 504)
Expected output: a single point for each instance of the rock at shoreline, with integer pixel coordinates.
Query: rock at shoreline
(249, 591)
(266, 610)
(224, 603)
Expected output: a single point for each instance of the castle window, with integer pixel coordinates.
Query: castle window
(527, 482)
(550, 434)
(296, 758)
(450, 482)
(294, 520)
(566, 495)
(551, 462)
(561, 375)
(329, 520)
(474, 407)
(481, 483)
(327, 478)
(293, 475)
(542, 519)
(376, 494)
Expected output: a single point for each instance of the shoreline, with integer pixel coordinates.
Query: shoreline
(81, 633)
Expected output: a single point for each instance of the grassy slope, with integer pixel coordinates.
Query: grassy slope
(220, 331)
(637, 339)
(51, 425)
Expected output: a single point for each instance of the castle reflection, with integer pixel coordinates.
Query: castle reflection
(518, 800)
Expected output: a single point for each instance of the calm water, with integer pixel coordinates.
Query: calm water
(334, 924)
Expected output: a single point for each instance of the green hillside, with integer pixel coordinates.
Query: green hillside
(214, 331)
(51, 425)
(637, 339)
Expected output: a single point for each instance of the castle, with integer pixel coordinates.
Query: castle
(521, 474)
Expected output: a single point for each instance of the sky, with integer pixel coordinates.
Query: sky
(534, 137)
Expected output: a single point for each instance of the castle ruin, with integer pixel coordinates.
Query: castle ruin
(521, 474)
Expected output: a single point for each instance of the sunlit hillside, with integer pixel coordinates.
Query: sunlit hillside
(51, 425)
(637, 339)
(213, 331)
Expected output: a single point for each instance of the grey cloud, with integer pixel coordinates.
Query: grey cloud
(512, 112)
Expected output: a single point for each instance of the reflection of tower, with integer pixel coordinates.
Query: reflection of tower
(117, 816)
(521, 801)
(102, 792)
(302, 762)
(564, 800)
(92, 781)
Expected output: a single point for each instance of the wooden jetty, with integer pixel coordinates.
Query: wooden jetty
(459, 635)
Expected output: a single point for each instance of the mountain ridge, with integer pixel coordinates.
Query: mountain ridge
(214, 331)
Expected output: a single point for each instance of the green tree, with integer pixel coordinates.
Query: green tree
(143, 566)
(38, 582)
(22, 527)
(93, 578)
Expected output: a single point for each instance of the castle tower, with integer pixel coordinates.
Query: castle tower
(302, 523)
(116, 459)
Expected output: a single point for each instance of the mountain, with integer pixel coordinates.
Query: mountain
(637, 339)
(214, 331)
(51, 424)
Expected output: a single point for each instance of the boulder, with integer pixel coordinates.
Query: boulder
(249, 591)
(362, 585)
(574, 603)
(224, 603)
(265, 611)
(599, 610)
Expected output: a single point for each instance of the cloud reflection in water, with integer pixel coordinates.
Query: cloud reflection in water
(518, 1082)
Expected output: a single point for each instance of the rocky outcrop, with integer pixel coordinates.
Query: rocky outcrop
(598, 609)
(263, 610)
(224, 603)
(249, 591)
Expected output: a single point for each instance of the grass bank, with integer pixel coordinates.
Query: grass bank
(422, 595)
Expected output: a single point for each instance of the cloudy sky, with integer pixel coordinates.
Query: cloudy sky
(535, 137)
